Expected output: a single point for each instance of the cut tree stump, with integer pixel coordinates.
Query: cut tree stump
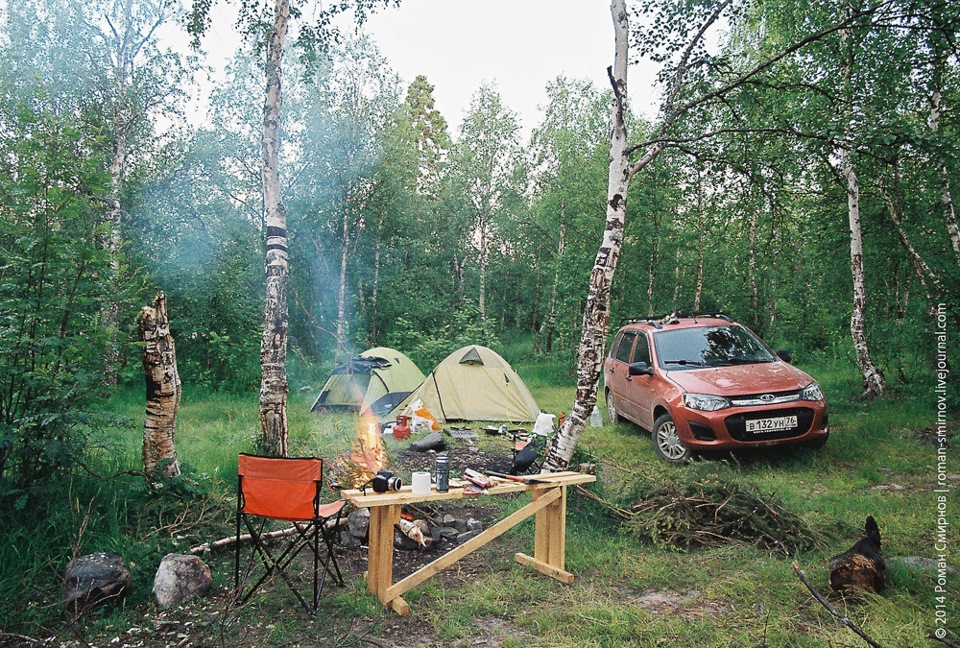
(862, 566)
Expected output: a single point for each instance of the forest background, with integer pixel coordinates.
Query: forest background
(404, 234)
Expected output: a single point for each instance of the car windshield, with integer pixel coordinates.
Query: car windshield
(709, 346)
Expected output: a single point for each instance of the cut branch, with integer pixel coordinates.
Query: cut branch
(832, 610)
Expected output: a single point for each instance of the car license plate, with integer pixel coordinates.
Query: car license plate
(772, 424)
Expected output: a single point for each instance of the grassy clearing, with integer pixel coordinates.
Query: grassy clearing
(628, 592)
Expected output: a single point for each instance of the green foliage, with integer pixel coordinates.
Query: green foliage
(427, 349)
(53, 272)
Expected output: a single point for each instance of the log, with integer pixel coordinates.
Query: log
(201, 549)
(862, 566)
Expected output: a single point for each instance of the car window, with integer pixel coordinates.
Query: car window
(709, 346)
(626, 344)
(641, 352)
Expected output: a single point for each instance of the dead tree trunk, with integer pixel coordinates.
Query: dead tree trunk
(163, 390)
(273, 344)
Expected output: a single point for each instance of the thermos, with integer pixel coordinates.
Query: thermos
(442, 473)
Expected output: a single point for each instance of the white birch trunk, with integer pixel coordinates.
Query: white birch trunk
(551, 324)
(163, 389)
(597, 311)
(676, 279)
(946, 199)
(752, 267)
(873, 381)
(342, 293)
(484, 251)
(923, 270)
(273, 344)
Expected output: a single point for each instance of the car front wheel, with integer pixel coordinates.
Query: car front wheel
(666, 442)
(612, 412)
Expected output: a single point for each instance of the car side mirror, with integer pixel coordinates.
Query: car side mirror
(640, 369)
(785, 354)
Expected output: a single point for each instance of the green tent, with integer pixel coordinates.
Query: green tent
(376, 380)
(475, 384)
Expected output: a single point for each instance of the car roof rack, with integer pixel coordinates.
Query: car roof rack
(657, 321)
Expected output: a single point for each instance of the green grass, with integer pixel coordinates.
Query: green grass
(628, 591)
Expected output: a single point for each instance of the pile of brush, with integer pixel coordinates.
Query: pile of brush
(712, 511)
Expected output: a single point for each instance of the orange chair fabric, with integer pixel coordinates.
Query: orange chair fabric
(281, 489)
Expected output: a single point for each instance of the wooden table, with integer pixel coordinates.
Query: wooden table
(548, 503)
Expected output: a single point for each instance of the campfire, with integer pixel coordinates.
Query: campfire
(367, 455)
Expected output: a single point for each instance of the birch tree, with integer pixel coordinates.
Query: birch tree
(273, 342)
(693, 80)
(484, 157)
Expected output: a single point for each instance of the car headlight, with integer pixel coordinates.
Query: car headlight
(705, 402)
(811, 392)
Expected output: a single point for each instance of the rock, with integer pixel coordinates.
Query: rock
(94, 579)
(180, 578)
(474, 525)
(920, 563)
(433, 441)
(469, 535)
(448, 532)
(358, 523)
(348, 540)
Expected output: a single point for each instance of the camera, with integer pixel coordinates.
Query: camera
(385, 481)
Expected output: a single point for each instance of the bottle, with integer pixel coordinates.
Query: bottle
(596, 418)
(442, 473)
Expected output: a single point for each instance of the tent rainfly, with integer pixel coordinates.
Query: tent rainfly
(376, 380)
(476, 384)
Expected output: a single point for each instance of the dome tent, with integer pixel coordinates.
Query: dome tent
(476, 384)
(378, 379)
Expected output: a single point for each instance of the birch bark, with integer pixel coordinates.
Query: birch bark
(873, 381)
(597, 311)
(273, 344)
(163, 389)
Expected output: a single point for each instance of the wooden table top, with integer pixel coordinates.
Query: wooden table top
(406, 496)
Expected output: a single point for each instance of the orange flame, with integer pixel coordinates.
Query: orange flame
(369, 454)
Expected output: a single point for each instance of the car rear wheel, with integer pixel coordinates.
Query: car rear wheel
(612, 412)
(666, 442)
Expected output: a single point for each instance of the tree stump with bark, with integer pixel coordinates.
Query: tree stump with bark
(861, 567)
(163, 390)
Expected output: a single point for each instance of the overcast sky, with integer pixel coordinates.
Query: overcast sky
(516, 45)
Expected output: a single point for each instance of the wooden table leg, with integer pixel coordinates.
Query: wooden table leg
(380, 557)
(549, 551)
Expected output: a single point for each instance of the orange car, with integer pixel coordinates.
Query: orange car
(702, 383)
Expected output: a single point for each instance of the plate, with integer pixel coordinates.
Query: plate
(773, 424)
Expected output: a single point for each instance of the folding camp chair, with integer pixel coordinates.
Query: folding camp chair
(275, 488)
(527, 452)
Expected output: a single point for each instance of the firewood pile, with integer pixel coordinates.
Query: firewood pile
(709, 512)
